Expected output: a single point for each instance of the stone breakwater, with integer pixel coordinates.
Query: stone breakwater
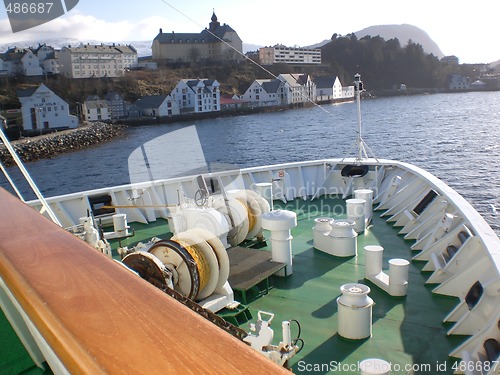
(52, 144)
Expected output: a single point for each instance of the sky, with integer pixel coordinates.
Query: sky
(464, 29)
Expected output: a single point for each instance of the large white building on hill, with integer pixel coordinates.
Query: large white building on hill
(280, 54)
(86, 61)
(216, 43)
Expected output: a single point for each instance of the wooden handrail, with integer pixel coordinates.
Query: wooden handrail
(98, 317)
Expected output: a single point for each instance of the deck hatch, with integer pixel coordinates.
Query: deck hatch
(99, 203)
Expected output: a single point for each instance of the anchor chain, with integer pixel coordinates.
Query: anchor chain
(230, 328)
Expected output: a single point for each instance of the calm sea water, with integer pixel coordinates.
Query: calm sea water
(454, 136)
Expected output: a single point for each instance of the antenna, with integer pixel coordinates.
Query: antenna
(361, 145)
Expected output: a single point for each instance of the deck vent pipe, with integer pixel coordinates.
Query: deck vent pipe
(280, 222)
(356, 212)
(120, 224)
(265, 190)
(354, 312)
(367, 195)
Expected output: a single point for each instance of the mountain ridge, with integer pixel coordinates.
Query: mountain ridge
(403, 32)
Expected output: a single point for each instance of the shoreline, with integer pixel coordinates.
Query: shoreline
(53, 144)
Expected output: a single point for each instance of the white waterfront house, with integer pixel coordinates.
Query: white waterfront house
(299, 88)
(158, 106)
(280, 54)
(348, 92)
(197, 95)
(328, 88)
(264, 93)
(42, 109)
(86, 61)
(96, 110)
(458, 82)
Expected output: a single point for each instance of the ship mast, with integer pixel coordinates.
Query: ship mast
(358, 87)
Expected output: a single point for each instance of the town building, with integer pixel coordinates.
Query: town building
(217, 43)
(328, 89)
(10, 62)
(96, 110)
(265, 92)
(48, 59)
(87, 61)
(348, 92)
(42, 110)
(28, 62)
(197, 95)
(158, 106)
(228, 102)
(299, 88)
(458, 82)
(478, 85)
(280, 54)
(116, 105)
(132, 110)
(31, 64)
(451, 60)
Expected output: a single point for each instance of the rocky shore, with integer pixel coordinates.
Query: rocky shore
(52, 144)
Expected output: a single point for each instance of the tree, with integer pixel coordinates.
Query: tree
(194, 55)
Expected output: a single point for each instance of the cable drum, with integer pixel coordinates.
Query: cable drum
(199, 259)
(255, 206)
(219, 251)
(182, 265)
(206, 261)
(237, 216)
(149, 268)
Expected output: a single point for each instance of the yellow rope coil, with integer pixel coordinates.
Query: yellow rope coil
(250, 214)
(201, 262)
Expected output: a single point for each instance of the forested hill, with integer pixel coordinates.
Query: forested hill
(384, 64)
(404, 33)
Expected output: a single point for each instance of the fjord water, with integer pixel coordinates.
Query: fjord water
(454, 136)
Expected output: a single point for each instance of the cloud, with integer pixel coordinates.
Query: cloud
(86, 27)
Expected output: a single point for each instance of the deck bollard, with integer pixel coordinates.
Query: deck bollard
(280, 222)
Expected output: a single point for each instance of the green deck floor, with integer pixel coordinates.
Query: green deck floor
(407, 331)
